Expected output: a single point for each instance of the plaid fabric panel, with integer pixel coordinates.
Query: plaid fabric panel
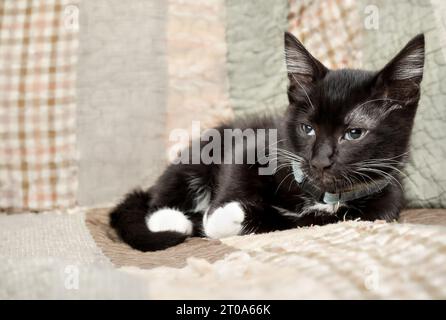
(329, 29)
(38, 42)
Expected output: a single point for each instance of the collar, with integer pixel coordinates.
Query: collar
(332, 198)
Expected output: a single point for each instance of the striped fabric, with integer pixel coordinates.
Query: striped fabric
(38, 42)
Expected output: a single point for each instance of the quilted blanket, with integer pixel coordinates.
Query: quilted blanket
(76, 255)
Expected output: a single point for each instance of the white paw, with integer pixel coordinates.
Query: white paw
(169, 220)
(225, 221)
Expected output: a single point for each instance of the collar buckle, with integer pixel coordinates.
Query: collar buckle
(331, 198)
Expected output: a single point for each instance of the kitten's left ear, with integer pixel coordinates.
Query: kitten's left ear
(402, 76)
(301, 65)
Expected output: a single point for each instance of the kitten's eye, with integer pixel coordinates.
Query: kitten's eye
(308, 130)
(354, 134)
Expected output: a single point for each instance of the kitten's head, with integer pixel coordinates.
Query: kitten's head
(348, 126)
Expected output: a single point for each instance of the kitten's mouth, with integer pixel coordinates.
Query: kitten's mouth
(332, 184)
(341, 182)
(329, 182)
(326, 181)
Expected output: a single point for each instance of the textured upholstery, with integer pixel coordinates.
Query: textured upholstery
(399, 21)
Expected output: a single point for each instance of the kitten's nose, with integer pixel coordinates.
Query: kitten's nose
(321, 163)
(322, 157)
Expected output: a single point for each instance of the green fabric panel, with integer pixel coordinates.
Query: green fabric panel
(399, 21)
(256, 68)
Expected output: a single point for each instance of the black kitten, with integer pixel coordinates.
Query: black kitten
(340, 147)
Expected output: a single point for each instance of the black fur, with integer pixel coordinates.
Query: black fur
(129, 219)
(318, 97)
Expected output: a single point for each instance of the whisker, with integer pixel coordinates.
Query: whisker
(382, 174)
(283, 181)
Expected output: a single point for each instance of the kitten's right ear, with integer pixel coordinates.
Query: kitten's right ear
(301, 65)
(402, 76)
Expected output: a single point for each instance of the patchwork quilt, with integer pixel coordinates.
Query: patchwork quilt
(89, 92)
(146, 68)
(75, 255)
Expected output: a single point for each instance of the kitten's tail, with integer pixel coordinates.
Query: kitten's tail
(129, 220)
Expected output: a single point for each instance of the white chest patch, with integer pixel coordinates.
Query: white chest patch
(321, 208)
(225, 221)
(329, 208)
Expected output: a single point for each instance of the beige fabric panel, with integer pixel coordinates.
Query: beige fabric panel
(196, 48)
(121, 112)
(121, 254)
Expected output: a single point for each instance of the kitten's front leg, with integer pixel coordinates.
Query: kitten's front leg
(240, 218)
(224, 221)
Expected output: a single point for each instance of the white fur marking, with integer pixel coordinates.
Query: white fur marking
(287, 213)
(169, 220)
(369, 116)
(329, 208)
(320, 207)
(225, 221)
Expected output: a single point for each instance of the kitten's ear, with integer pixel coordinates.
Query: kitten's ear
(301, 65)
(402, 76)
